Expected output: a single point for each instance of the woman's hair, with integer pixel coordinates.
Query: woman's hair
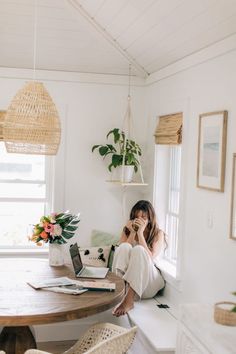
(151, 232)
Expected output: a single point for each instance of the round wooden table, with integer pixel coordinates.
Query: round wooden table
(22, 306)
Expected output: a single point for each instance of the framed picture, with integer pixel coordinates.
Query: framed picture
(233, 202)
(212, 150)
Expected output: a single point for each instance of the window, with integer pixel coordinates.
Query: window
(172, 213)
(167, 196)
(24, 196)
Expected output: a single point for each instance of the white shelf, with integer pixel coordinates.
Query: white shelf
(128, 183)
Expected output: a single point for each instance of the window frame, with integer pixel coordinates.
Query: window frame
(171, 253)
(170, 271)
(31, 248)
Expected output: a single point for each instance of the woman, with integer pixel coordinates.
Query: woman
(141, 241)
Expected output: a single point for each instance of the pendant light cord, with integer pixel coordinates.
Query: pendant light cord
(35, 36)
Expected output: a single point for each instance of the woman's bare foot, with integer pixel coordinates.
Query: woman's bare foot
(126, 304)
(122, 309)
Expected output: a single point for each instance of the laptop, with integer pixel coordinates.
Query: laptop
(82, 271)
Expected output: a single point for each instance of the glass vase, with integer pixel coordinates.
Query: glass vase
(55, 255)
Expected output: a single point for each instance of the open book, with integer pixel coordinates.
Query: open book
(51, 282)
(71, 286)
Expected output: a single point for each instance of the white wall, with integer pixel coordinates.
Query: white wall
(89, 106)
(209, 256)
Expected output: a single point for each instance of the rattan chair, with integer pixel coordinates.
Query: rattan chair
(101, 338)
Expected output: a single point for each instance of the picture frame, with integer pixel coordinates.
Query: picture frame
(212, 134)
(232, 233)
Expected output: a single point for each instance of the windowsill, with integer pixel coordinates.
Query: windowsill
(23, 252)
(169, 272)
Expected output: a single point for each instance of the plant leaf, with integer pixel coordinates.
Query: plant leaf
(111, 147)
(95, 147)
(71, 228)
(103, 150)
(117, 160)
(110, 166)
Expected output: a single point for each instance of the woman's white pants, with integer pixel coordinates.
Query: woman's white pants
(136, 267)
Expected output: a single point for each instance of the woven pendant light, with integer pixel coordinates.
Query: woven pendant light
(32, 123)
(2, 118)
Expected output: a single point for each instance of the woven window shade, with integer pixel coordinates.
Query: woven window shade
(2, 118)
(32, 123)
(169, 129)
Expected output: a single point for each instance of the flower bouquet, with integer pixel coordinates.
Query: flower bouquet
(55, 228)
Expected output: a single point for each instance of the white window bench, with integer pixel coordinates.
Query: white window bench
(157, 327)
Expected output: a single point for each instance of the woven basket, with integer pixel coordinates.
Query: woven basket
(32, 123)
(224, 315)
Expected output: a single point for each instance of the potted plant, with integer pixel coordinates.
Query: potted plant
(123, 152)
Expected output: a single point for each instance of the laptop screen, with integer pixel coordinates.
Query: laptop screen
(76, 259)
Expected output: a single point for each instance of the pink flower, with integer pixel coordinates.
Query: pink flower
(49, 228)
(57, 230)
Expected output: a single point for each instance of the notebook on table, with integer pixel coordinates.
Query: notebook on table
(82, 271)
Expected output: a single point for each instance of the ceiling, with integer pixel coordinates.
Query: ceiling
(104, 36)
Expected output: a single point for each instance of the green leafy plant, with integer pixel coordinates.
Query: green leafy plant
(122, 148)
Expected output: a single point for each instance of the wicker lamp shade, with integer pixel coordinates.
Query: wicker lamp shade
(32, 124)
(2, 118)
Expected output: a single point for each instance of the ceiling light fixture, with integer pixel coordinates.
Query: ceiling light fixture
(31, 124)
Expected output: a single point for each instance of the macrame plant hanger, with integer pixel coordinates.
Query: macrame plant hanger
(127, 127)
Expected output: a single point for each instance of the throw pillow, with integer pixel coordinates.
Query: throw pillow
(95, 256)
(99, 238)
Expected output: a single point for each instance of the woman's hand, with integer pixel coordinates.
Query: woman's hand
(128, 237)
(129, 225)
(139, 225)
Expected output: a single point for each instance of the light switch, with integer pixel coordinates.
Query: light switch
(209, 220)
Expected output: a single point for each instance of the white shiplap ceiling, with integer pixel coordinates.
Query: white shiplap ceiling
(103, 36)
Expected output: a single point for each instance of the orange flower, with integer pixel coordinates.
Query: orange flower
(44, 235)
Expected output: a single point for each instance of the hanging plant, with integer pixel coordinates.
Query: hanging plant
(122, 148)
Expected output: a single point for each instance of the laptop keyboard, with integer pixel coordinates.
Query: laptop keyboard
(86, 272)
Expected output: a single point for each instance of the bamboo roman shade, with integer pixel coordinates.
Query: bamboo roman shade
(169, 129)
(2, 117)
